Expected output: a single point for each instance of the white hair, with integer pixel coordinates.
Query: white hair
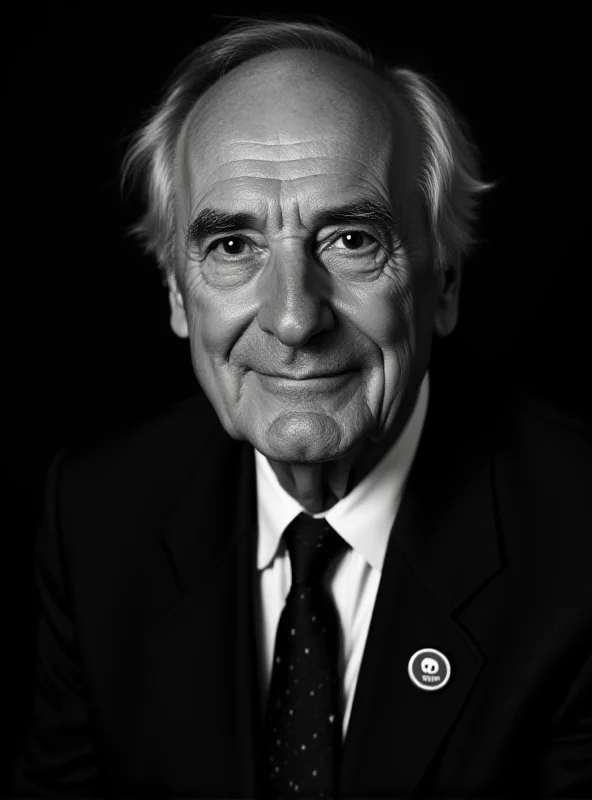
(449, 178)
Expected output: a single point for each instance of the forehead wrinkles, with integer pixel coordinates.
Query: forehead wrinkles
(285, 205)
(242, 128)
(236, 152)
(291, 170)
(364, 149)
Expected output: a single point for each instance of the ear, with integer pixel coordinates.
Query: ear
(446, 315)
(178, 317)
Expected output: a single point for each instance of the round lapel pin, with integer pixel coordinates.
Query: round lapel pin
(429, 669)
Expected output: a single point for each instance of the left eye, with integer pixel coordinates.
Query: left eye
(230, 246)
(353, 240)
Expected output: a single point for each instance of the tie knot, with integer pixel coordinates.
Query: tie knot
(312, 544)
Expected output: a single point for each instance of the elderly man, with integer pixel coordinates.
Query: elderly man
(325, 576)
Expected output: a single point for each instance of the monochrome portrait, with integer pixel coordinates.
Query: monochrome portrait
(301, 434)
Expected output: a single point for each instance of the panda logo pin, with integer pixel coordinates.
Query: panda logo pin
(429, 669)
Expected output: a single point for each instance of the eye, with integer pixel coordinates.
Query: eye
(353, 240)
(230, 246)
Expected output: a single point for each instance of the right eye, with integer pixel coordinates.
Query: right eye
(229, 245)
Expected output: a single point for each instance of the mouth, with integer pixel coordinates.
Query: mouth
(305, 381)
(304, 376)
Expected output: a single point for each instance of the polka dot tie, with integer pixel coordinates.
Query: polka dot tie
(303, 722)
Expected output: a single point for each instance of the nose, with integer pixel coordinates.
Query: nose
(294, 295)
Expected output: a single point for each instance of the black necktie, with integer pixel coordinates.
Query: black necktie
(303, 721)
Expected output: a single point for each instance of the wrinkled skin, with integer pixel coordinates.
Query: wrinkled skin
(309, 335)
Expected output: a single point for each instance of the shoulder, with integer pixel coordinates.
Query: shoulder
(541, 473)
(540, 451)
(494, 400)
(547, 435)
(109, 499)
(141, 462)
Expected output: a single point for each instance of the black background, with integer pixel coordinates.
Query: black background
(86, 316)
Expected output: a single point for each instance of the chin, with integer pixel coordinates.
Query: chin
(306, 438)
(307, 453)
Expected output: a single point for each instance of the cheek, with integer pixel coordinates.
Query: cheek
(387, 314)
(384, 313)
(217, 319)
(213, 332)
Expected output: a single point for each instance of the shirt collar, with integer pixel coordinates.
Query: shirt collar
(365, 516)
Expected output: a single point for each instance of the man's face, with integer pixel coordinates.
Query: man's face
(303, 273)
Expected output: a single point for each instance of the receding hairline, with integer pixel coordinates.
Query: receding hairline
(296, 60)
(390, 105)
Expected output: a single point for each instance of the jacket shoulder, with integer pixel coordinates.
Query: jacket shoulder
(166, 441)
(127, 481)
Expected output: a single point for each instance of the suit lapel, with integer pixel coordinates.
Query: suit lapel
(442, 550)
(201, 658)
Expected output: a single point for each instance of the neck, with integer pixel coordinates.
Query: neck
(317, 487)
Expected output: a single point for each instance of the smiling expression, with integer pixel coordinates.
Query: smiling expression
(303, 275)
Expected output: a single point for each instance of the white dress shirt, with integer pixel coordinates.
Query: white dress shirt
(363, 518)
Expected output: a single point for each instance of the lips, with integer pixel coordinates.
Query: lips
(305, 386)
(303, 376)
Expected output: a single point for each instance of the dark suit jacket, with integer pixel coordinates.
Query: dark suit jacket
(147, 679)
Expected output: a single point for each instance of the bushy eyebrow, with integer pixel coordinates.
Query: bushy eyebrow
(370, 212)
(212, 222)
